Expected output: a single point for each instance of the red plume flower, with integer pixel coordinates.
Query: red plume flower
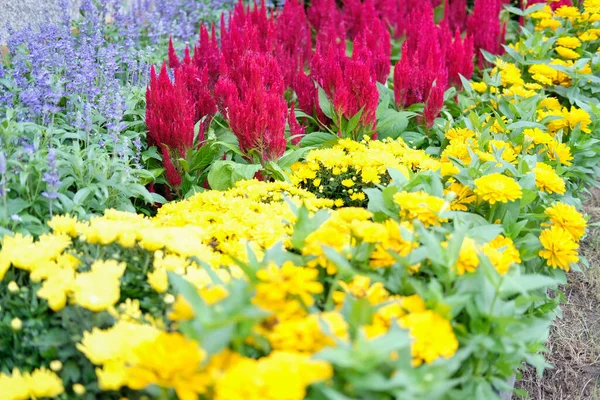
(169, 119)
(485, 28)
(255, 105)
(173, 60)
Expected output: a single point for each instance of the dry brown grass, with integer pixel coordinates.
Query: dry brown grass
(575, 338)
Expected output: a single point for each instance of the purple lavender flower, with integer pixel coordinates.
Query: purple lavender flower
(51, 177)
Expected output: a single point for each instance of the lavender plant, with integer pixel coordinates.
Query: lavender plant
(72, 108)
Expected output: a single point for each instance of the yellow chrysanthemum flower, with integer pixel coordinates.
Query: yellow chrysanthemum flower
(568, 218)
(559, 248)
(547, 180)
(496, 187)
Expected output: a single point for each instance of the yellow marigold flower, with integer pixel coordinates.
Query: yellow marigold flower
(306, 335)
(560, 151)
(348, 183)
(544, 13)
(468, 258)
(464, 196)
(508, 153)
(14, 387)
(112, 376)
(591, 6)
(568, 42)
(394, 243)
(170, 361)
(550, 103)
(361, 288)
(116, 343)
(158, 280)
(44, 383)
(567, 12)
(567, 217)
(57, 287)
(497, 188)
(578, 116)
(538, 136)
(461, 134)
(370, 175)
(278, 283)
(181, 310)
(338, 202)
(111, 267)
(64, 224)
(96, 291)
(549, 23)
(502, 253)
(433, 336)
(422, 206)
(360, 196)
(479, 87)
(588, 36)
(559, 248)
(368, 231)
(281, 375)
(567, 53)
(547, 180)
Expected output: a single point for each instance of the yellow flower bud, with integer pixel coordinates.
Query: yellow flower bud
(78, 389)
(16, 324)
(56, 365)
(13, 287)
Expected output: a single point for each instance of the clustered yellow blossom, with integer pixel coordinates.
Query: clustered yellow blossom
(343, 171)
(41, 383)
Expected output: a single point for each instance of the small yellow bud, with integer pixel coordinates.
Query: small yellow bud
(16, 324)
(13, 287)
(169, 299)
(78, 389)
(56, 365)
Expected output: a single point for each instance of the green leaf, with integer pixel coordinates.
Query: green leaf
(317, 139)
(325, 104)
(354, 120)
(392, 123)
(81, 195)
(224, 174)
(203, 157)
(290, 157)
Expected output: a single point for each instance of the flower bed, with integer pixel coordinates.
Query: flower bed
(338, 229)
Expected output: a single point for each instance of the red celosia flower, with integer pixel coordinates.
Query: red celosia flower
(433, 105)
(485, 28)
(323, 13)
(207, 54)
(197, 83)
(294, 46)
(255, 106)
(348, 83)
(373, 43)
(459, 55)
(169, 119)
(308, 96)
(455, 14)
(423, 59)
(173, 60)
